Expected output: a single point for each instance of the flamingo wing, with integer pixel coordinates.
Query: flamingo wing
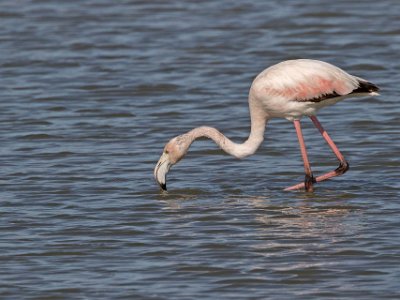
(315, 81)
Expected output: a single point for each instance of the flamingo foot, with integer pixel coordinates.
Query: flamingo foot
(309, 181)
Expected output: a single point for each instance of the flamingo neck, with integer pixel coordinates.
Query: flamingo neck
(249, 147)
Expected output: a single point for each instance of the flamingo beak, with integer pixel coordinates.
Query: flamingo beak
(161, 170)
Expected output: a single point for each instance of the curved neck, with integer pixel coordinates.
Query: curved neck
(249, 147)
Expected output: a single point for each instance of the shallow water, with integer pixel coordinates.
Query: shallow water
(90, 93)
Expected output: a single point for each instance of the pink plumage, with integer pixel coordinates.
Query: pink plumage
(296, 88)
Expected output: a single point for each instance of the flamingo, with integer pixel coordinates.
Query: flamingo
(290, 89)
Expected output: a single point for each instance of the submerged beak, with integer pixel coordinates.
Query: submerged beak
(161, 170)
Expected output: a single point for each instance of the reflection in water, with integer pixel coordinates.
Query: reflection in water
(268, 241)
(304, 220)
(176, 199)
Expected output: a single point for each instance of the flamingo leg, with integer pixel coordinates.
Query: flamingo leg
(343, 164)
(309, 179)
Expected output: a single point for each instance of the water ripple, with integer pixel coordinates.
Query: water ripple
(90, 95)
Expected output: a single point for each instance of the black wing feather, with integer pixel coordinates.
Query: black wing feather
(363, 87)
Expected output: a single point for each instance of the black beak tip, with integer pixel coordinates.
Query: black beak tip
(163, 186)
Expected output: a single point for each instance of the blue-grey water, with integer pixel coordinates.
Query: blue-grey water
(92, 90)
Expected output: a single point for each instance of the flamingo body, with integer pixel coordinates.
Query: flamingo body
(290, 89)
(296, 88)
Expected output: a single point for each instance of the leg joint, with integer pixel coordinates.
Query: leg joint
(343, 167)
(309, 181)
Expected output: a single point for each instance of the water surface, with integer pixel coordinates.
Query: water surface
(92, 90)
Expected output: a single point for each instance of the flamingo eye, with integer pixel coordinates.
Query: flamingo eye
(166, 151)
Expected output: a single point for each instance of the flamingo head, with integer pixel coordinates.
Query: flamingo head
(173, 152)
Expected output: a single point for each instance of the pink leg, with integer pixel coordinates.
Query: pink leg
(309, 178)
(343, 166)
